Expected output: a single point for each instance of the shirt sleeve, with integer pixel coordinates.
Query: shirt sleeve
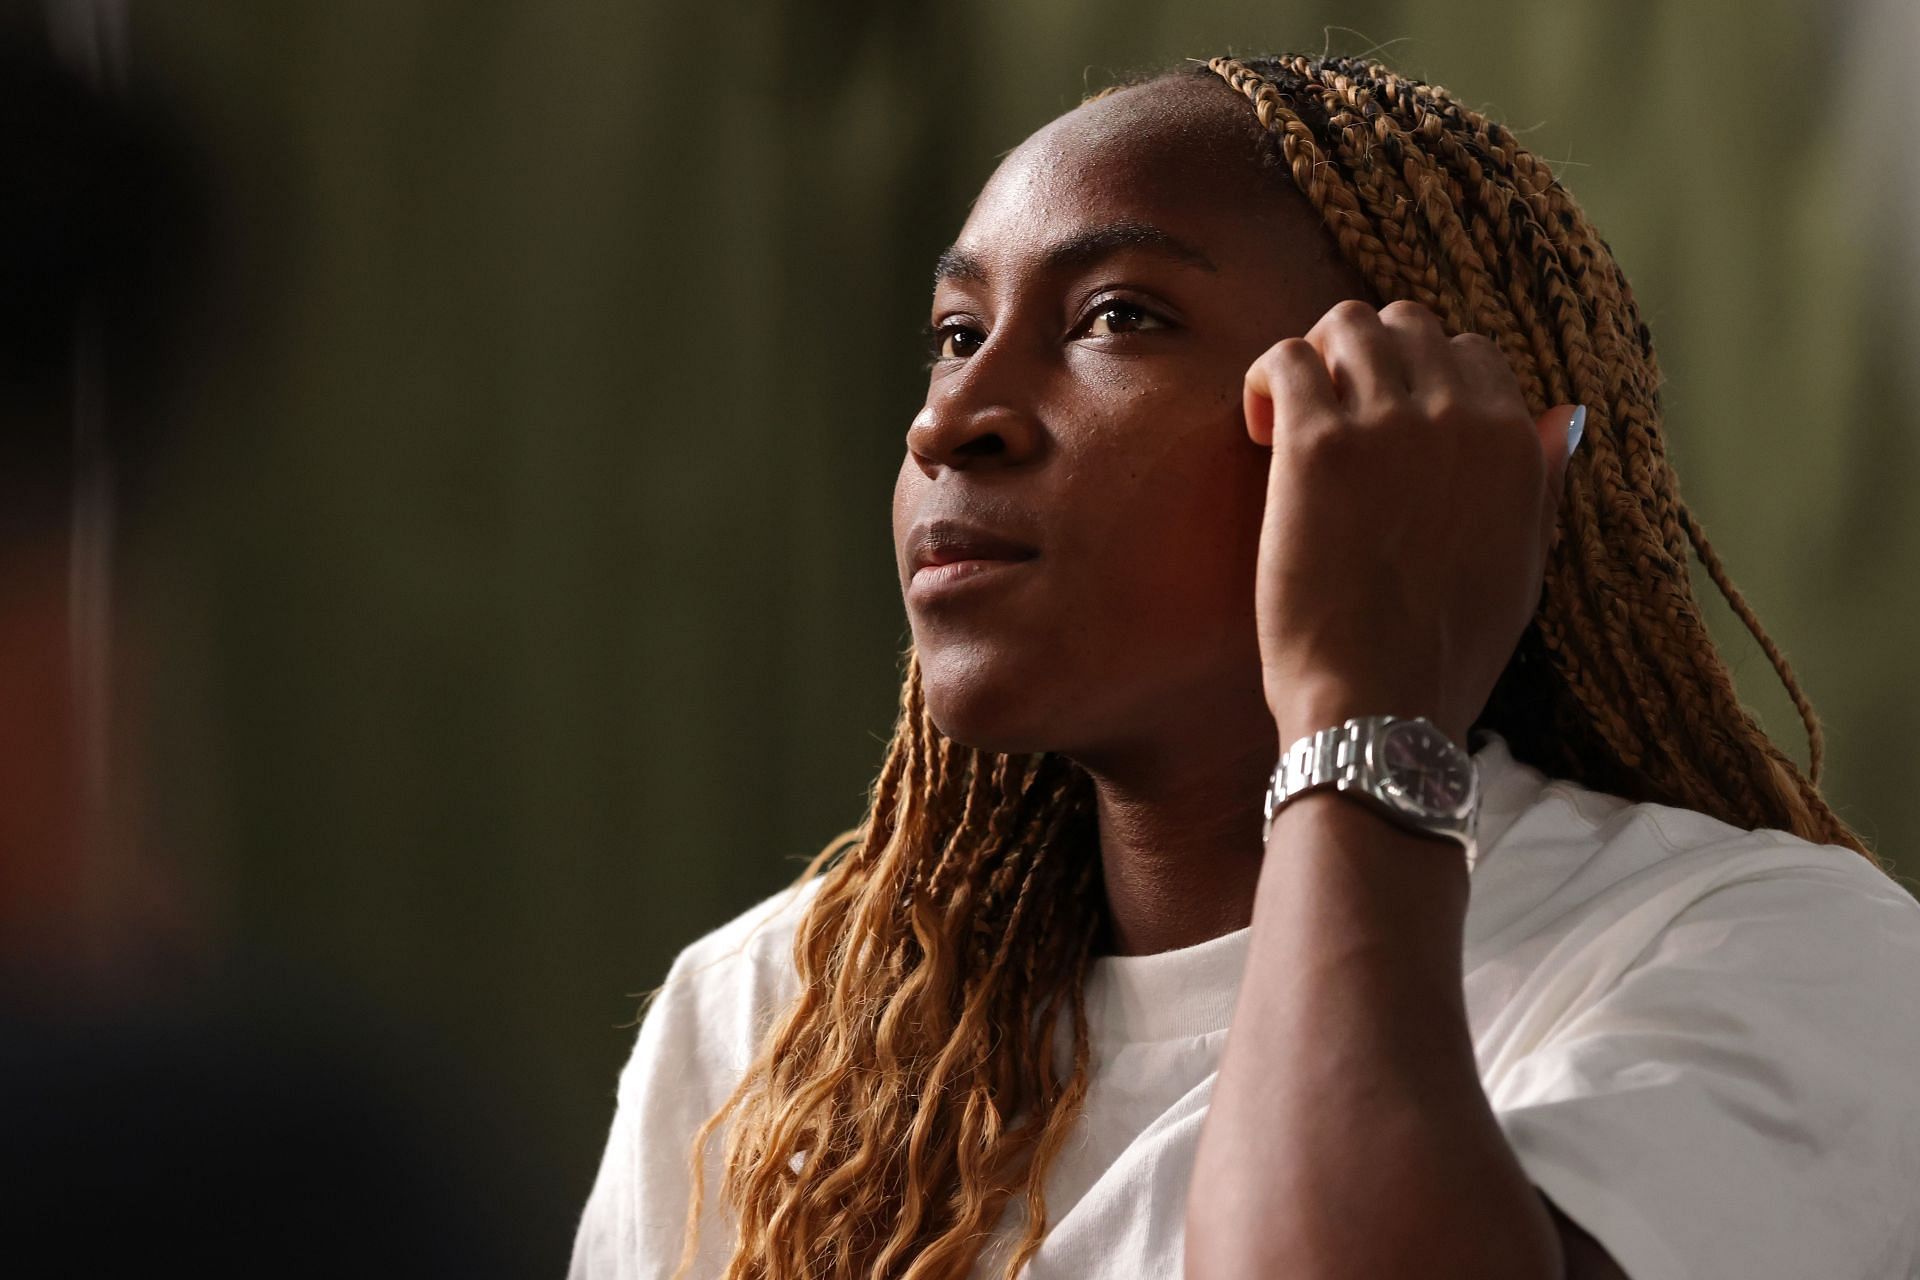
(1745, 1099)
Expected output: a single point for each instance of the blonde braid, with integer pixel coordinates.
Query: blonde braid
(911, 1090)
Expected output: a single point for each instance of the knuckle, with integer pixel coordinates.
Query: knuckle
(1279, 357)
(1448, 406)
(1324, 447)
(1348, 311)
(1408, 311)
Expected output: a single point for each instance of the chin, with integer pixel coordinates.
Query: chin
(986, 705)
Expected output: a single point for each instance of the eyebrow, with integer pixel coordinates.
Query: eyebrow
(1081, 250)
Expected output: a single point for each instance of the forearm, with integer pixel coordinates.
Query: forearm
(1348, 1133)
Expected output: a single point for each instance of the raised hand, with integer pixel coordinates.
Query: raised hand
(1410, 504)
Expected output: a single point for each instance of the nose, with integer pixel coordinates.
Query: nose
(967, 423)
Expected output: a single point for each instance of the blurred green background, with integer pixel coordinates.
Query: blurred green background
(521, 603)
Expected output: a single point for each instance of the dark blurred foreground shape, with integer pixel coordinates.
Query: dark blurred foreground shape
(167, 1106)
(185, 1140)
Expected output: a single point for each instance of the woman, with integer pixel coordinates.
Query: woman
(1253, 429)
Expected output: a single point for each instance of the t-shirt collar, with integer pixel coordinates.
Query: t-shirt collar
(1190, 991)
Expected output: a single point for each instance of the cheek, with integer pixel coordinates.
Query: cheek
(1177, 518)
(905, 489)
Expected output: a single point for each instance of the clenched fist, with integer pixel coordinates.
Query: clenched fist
(1410, 504)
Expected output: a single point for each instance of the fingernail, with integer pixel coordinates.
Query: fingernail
(1576, 428)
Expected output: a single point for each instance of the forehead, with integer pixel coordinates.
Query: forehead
(1181, 157)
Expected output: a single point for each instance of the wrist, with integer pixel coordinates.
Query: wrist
(1309, 708)
(1403, 766)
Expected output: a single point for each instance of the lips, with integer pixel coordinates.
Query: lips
(940, 542)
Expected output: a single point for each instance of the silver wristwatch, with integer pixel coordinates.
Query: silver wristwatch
(1406, 769)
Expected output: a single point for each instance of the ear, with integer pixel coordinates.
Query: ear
(1559, 429)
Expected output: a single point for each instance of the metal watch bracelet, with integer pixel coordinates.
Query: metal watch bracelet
(1346, 758)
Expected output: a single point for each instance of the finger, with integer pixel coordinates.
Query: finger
(1289, 377)
(1360, 355)
(1559, 430)
(1483, 369)
(1427, 358)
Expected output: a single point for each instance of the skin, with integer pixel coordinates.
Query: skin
(1181, 434)
(1129, 643)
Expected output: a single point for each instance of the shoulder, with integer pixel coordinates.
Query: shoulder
(726, 986)
(760, 935)
(697, 1038)
(700, 1028)
(1646, 978)
(1574, 865)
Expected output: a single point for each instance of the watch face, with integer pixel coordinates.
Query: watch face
(1420, 764)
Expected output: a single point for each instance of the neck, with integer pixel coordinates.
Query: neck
(1179, 824)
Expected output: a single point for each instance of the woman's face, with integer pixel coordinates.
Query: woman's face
(1095, 318)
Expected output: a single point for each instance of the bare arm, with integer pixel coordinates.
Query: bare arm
(1412, 497)
(1349, 1134)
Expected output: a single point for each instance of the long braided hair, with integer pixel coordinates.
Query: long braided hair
(915, 1088)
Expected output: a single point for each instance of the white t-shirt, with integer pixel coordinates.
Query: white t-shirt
(1702, 1043)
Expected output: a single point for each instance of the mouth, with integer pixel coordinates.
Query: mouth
(949, 557)
(951, 577)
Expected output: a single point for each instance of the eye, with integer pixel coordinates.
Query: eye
(952, 341)
(1117, 317)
